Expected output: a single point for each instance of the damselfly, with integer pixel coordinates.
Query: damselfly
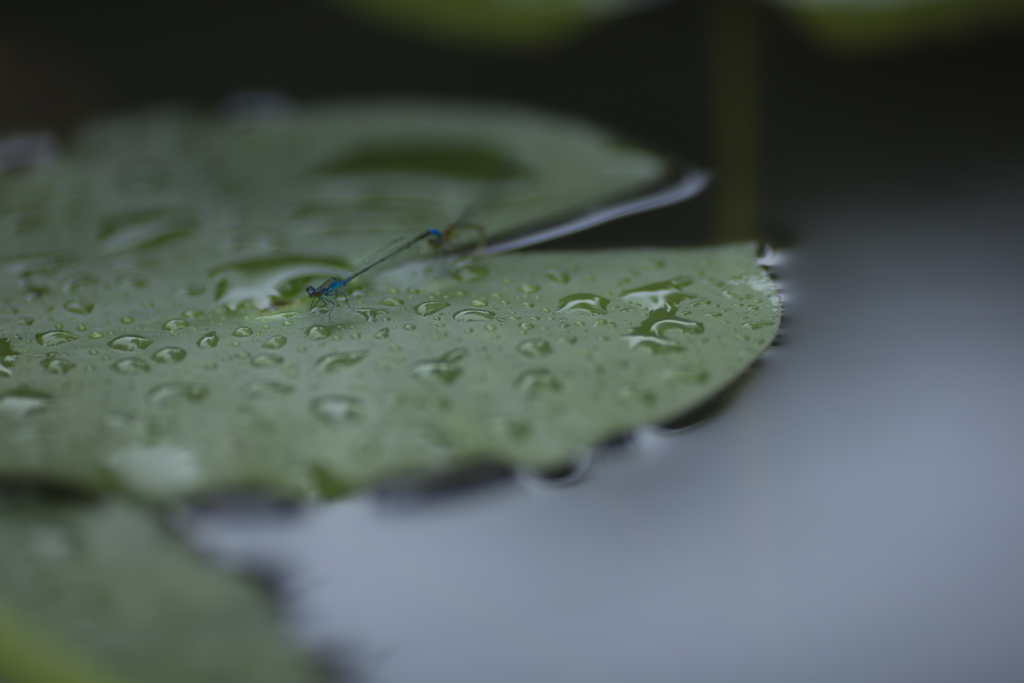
(331, 287)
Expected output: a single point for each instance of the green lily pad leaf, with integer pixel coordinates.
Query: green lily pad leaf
(334, 179)
(101, 594)
(522, 358)
(157, 338)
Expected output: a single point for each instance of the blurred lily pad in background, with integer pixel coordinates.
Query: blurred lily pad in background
(865, 25)
(98, 593)
(158, 339)
(520, 25)
(528, 25)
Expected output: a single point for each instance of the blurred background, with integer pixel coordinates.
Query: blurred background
(854, 512)
(727, 84)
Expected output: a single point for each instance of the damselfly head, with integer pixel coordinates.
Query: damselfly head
(312, 291)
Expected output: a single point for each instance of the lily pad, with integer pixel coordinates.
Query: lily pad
(185, 359)
(330, 179)
(523, 358)
(493, 24)
(100, 594)
(857, 25)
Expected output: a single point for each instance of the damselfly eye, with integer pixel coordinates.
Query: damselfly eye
(310, 290)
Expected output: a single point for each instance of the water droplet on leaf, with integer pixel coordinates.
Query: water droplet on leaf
(208, 340)
(338, 361)
(534, 348)
(57, 366)
(54, 337)
(80, 307)
(275, 342)
(266, 360)
(130, 342)
(583, 303)
(430, 307)
(536, 382)
(173, 393)
(130, 366)
(473, 315)
(317, 332)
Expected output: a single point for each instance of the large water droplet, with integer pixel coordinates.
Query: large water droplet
(471, 273)
(57, 366)
(130, 342)
(444, 369)
(470, 315)
(336, 409)
(242, 332)
(430, 307)
(80, 307)
(557, 276)
(266, 360)
(583, 303)
(391, 301)
(662, 332)
(164, 395)
(317, 332)
(664, 295)
(275, 342)
(208, 340)
(131, 366)
(171, 354)
(175, 324)
(373, 314)
(338, 361)
(382, 334)
(533, 348)
(54, 337)
(537, 382)
(529, 289)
